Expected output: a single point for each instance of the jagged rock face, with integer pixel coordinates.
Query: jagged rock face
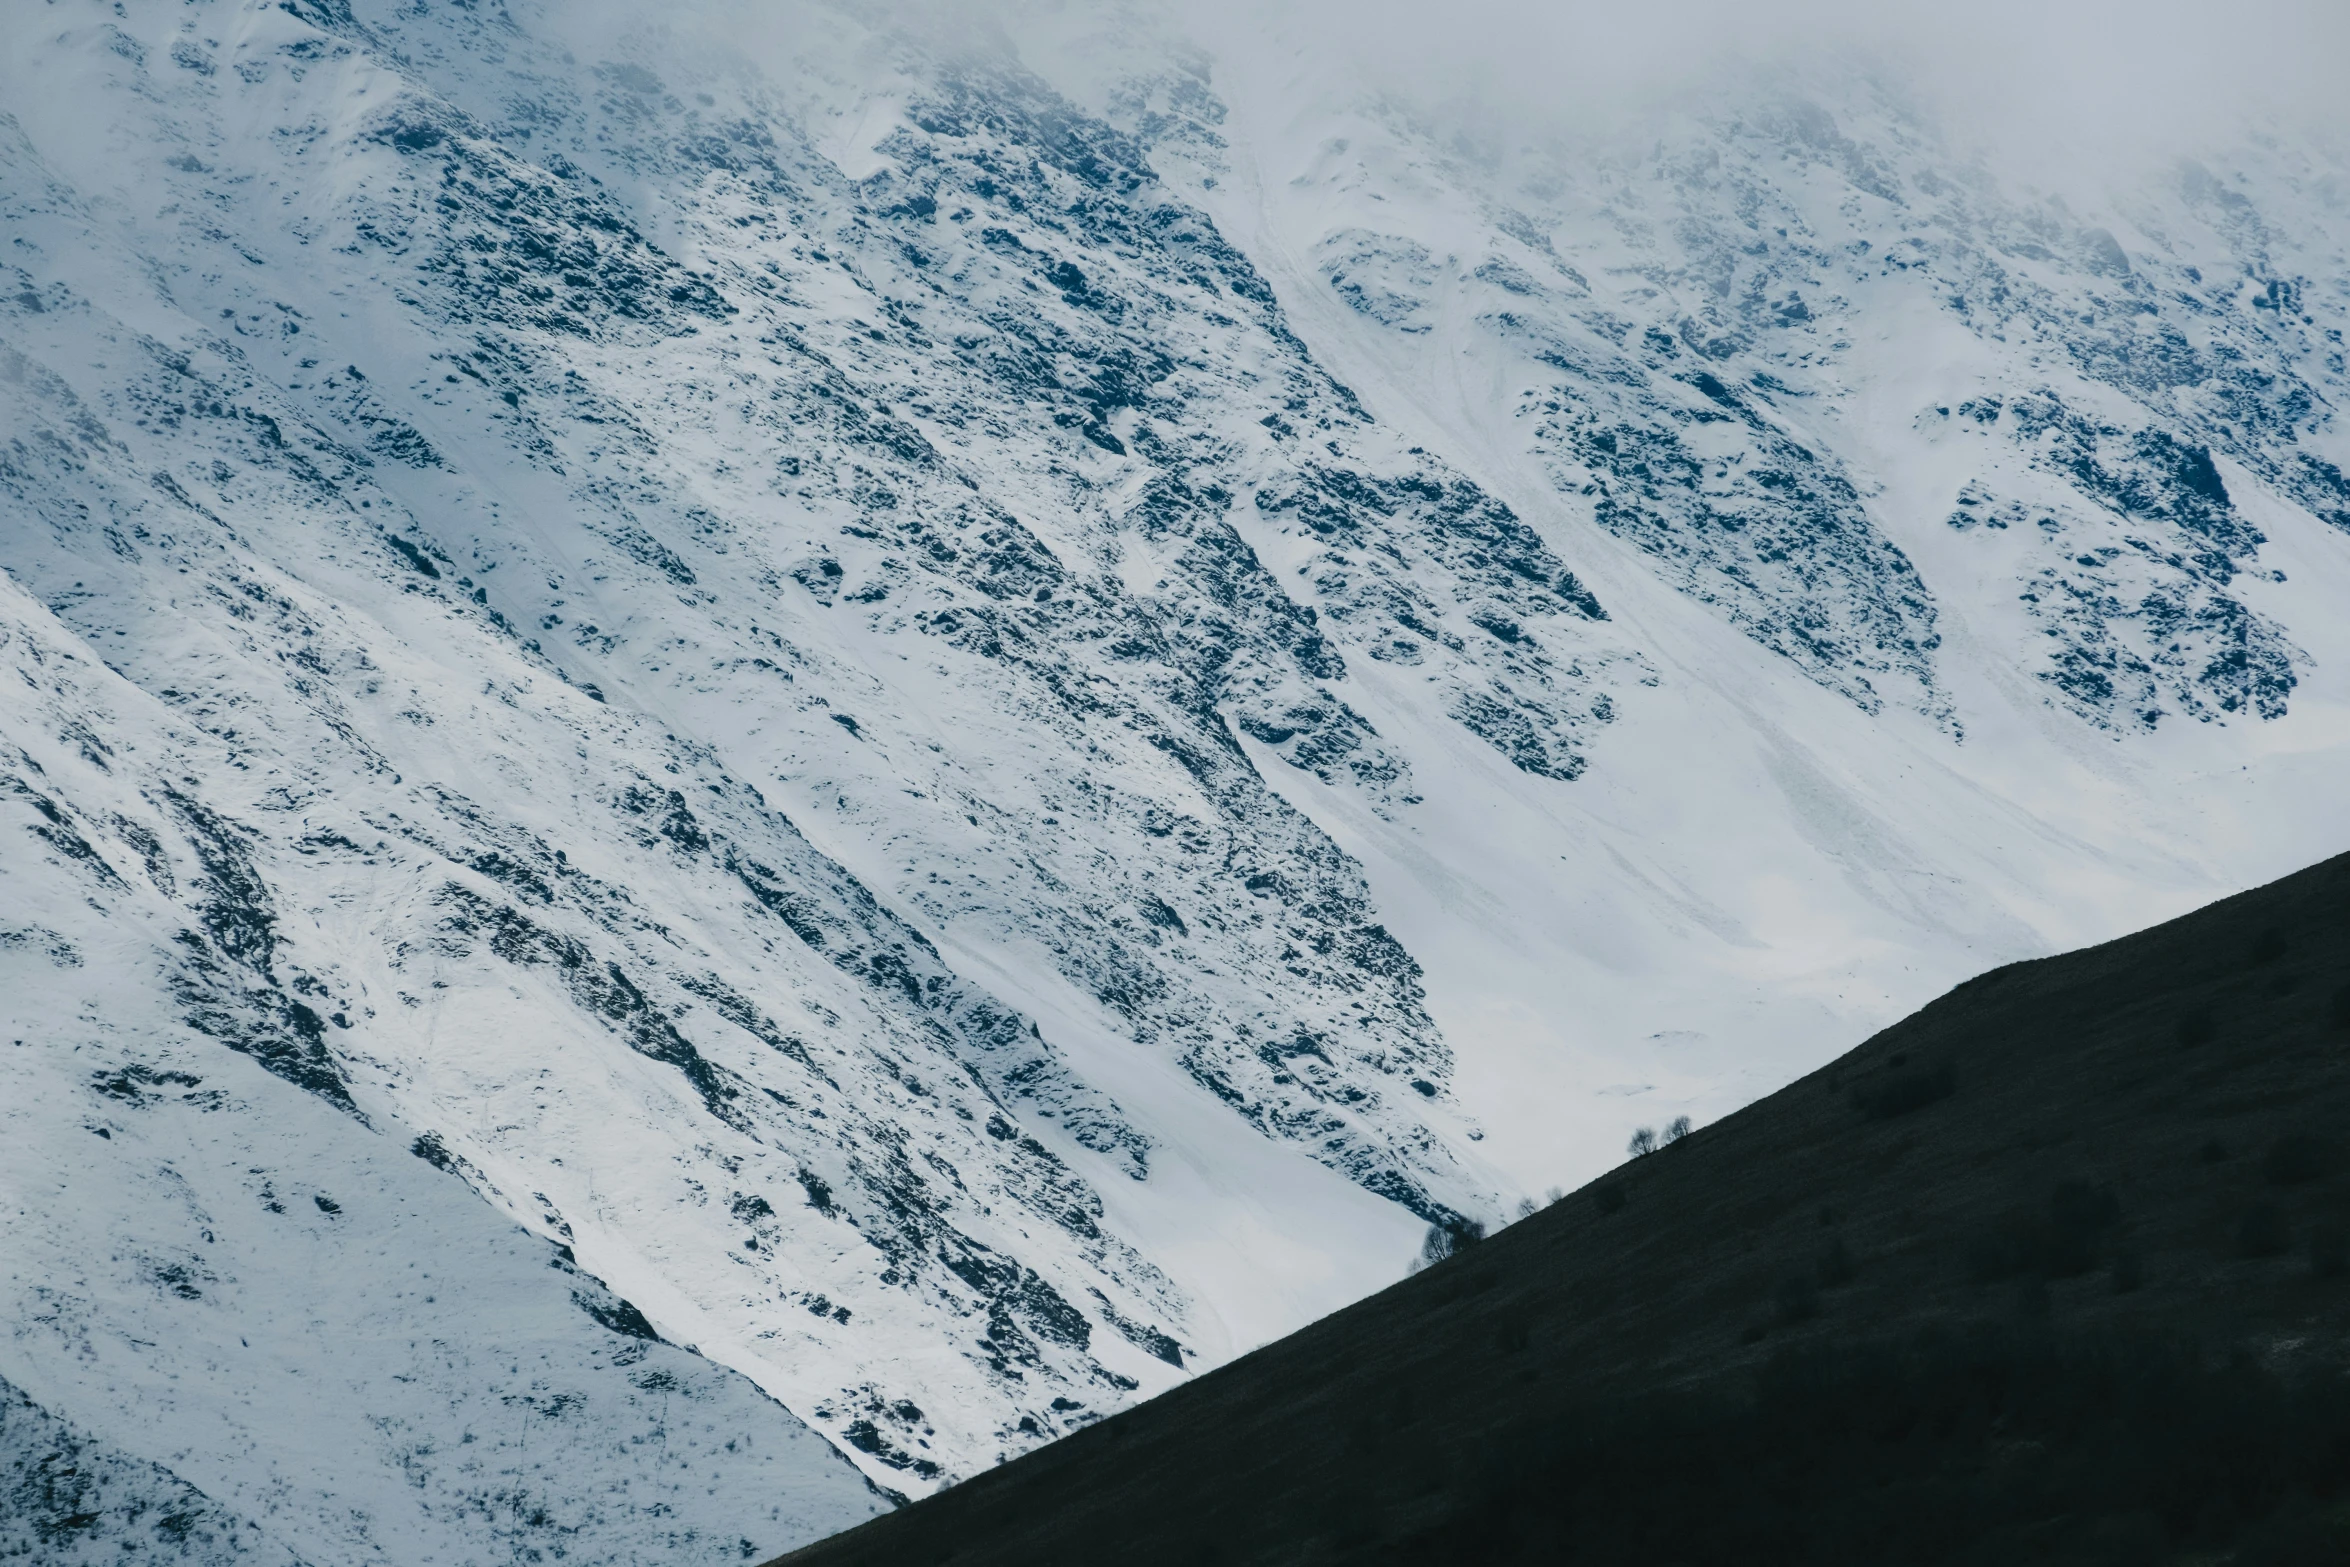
(1700, 397)
(868, 719)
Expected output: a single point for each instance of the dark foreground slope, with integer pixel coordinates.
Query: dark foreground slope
(2052, 1271)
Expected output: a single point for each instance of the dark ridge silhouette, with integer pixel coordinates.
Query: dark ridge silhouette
(2056, 1270)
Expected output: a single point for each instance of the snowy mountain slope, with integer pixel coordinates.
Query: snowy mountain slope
(1820, 873)
(452, 923)
(280, 1332)
(981, 747)
(70, 1500)
(485, 862)
(1745, 266)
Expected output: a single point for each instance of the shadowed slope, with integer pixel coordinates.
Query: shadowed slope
(2087, 1211)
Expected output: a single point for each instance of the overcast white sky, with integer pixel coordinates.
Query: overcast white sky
(2053, 89)
(2060, 79)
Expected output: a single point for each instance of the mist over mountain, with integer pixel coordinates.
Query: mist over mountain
(756, 754)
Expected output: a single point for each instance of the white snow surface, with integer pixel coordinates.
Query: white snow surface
(963, 738)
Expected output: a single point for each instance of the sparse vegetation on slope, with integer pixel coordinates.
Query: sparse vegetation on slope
(2053, 1271)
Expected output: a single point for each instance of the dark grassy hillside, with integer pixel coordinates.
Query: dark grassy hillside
(2057, 1270)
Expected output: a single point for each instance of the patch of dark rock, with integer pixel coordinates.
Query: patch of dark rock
(417, 560)
(1150, 1340)
(616, 1314)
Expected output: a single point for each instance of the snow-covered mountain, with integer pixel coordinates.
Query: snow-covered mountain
(745, 768)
